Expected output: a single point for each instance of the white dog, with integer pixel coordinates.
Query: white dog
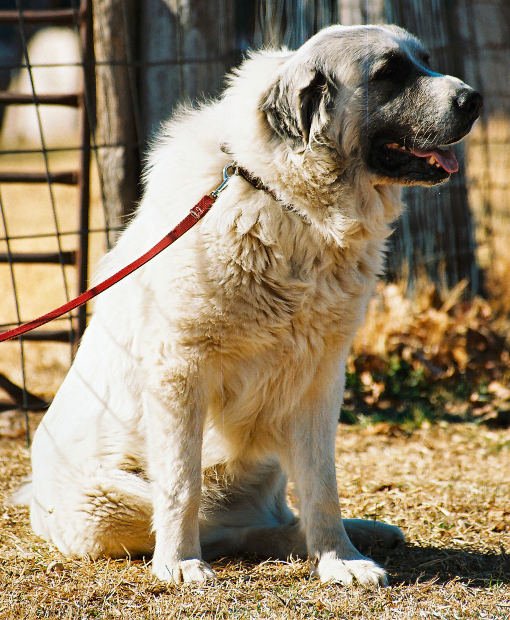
(217, 370)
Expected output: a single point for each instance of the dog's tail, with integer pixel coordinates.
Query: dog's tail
(23, 495)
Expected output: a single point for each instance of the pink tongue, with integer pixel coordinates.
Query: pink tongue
(446, 159)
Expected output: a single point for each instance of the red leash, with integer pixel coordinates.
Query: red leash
(195, 214)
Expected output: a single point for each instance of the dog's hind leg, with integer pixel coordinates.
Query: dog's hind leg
(278, 542)
(288, 540)
(105, 513)
(366, 534)
(250, 516)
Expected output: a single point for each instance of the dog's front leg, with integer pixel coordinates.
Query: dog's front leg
(311, 464)
(174, 419)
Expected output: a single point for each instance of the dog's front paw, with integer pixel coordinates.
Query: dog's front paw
(364, 571)
(184, 571)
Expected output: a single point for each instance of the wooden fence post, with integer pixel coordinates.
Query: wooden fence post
(149, 56)
(186, 47)
(484, 31)
(116, 130)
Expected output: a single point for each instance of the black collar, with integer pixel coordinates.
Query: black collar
(259, 184)
(255, 182)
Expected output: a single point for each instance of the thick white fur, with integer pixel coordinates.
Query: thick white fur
(223, 359)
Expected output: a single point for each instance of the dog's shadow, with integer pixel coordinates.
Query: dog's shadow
(409, 564)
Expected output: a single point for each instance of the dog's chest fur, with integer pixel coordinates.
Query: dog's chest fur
(285, 301)
(270, 275)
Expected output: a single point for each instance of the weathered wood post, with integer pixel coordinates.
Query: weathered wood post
(185, 48)
(116, 92)
(150, 56)
(484, 29)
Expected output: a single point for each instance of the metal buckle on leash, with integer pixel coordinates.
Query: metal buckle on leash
(228, 172)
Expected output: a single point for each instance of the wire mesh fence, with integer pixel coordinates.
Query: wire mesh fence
(69, 108)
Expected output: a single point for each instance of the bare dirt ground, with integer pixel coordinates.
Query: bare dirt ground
(446, 486)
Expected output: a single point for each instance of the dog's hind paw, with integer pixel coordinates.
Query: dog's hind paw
(367, 534)
(184, 571)
(363, 571)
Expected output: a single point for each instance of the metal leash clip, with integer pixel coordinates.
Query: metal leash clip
(228, 172)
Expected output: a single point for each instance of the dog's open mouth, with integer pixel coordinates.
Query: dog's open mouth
(444, 158)
(405, 164)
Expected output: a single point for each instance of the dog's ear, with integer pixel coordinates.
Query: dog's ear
(313, 102)
(296, 106)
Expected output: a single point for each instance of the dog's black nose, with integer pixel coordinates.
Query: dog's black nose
(469, 102)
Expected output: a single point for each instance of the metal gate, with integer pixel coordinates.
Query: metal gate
(78, 177)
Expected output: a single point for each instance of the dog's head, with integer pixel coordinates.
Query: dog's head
(369, 91)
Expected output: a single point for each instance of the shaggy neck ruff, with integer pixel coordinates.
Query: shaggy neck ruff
(341, 205)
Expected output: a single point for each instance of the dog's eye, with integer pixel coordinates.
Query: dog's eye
(393, 68)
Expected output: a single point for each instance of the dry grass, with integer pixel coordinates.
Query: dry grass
(448, 487)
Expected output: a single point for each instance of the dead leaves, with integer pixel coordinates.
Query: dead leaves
(446, 355)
